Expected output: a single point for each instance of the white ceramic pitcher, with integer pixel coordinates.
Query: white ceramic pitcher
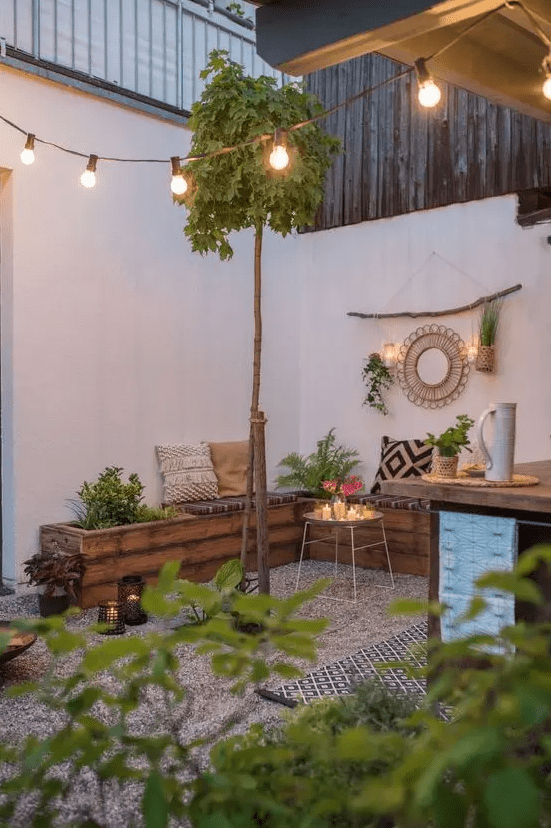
(501, 458)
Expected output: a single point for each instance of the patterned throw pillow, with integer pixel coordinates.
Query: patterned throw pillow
(402, 458)
(188, 473)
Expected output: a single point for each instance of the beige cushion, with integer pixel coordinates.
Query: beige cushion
(230, 465)
(188, 473)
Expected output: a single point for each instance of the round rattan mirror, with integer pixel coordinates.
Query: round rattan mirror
(432, 366)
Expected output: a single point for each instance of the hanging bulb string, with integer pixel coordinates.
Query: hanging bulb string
(322, 115)
(539, 31)
(466, 31)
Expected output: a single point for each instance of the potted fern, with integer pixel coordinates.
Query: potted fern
(328, 462)
(487, 331)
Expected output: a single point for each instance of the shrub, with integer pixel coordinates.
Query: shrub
(108, 501)
(291, 765)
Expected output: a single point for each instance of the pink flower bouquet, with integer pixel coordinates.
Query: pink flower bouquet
(347, 487)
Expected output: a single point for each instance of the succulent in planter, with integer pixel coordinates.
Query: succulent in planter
(58, 575)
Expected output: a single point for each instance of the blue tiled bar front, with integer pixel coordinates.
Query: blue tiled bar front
(469, 546)
(478, 529)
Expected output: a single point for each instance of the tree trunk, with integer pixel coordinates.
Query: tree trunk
(257, 442)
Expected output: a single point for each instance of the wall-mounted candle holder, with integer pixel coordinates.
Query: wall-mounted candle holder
(130, 588)
(111, 613)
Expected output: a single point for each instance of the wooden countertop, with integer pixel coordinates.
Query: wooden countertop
(528, 498)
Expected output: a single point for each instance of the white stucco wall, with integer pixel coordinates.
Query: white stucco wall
(424, 261)
(121, 337)
(115, 337)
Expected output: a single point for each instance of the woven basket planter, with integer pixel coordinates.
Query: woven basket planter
(444, 466)
(485, 359)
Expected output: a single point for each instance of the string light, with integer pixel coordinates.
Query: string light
(546, 88)
(279, 157)
(27, 156)
(88, 177)
(429, 93)
(178, 184)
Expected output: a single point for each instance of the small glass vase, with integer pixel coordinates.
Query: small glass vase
(338, 506)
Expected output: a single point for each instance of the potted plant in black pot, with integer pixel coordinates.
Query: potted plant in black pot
(57, 575)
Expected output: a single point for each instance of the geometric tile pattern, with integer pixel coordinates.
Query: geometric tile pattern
(469, 546)
(341, 677)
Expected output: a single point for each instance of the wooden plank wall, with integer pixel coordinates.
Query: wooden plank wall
(399, 157)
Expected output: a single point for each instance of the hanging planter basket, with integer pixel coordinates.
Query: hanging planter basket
(444, 466)
(485, 359)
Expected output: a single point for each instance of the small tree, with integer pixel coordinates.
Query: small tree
(238, 189)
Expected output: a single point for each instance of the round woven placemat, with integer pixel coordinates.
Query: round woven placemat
(463, 479)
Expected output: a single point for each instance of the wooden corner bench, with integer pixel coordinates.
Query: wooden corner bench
(206, 535)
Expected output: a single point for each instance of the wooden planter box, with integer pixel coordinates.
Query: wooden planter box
(202, 544)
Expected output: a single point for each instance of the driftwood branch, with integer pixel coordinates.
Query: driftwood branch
(415, 314)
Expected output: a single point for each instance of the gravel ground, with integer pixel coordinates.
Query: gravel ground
(208, 702)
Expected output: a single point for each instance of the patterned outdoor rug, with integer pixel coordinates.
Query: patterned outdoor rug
(341, 677)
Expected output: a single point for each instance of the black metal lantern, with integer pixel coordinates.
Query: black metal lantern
(111, 613)
(130, 589)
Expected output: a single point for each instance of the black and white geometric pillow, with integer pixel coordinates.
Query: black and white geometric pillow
(402, 458)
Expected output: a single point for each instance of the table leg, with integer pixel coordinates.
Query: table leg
(387, 555)
(353, 560)
(306, 525)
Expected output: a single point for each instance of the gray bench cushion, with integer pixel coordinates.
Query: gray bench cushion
(231, 504)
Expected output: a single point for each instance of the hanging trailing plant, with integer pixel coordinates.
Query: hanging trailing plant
(377, 378)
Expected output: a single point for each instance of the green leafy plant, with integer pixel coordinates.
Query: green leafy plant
(96, 737)
(340, 764)
(328, 462)
(288, 767)
(236, 8)
(377, 378)
(453, 439)
(109, 501)
(239, 189)
(56, 570)
(489, 321)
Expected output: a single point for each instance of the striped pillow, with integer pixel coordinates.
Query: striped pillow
(188, 473)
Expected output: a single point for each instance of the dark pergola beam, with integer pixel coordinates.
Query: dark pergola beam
(300, 37)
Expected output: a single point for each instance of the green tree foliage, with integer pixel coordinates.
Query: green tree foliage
(239, 189)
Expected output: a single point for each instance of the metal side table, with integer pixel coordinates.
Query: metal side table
(310, 519)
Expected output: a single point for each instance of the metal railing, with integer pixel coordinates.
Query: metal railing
(155, 48)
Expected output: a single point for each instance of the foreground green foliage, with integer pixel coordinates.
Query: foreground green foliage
(296, 778)
(345, 763)
(109, 501)
(328, 462)
(486, 768)
(98, 736)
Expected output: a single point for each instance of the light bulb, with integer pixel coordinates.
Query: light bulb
(429, 93)
(88, 178)
(27, 156)
(279, 158)
(178, 185)
(546, 88)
